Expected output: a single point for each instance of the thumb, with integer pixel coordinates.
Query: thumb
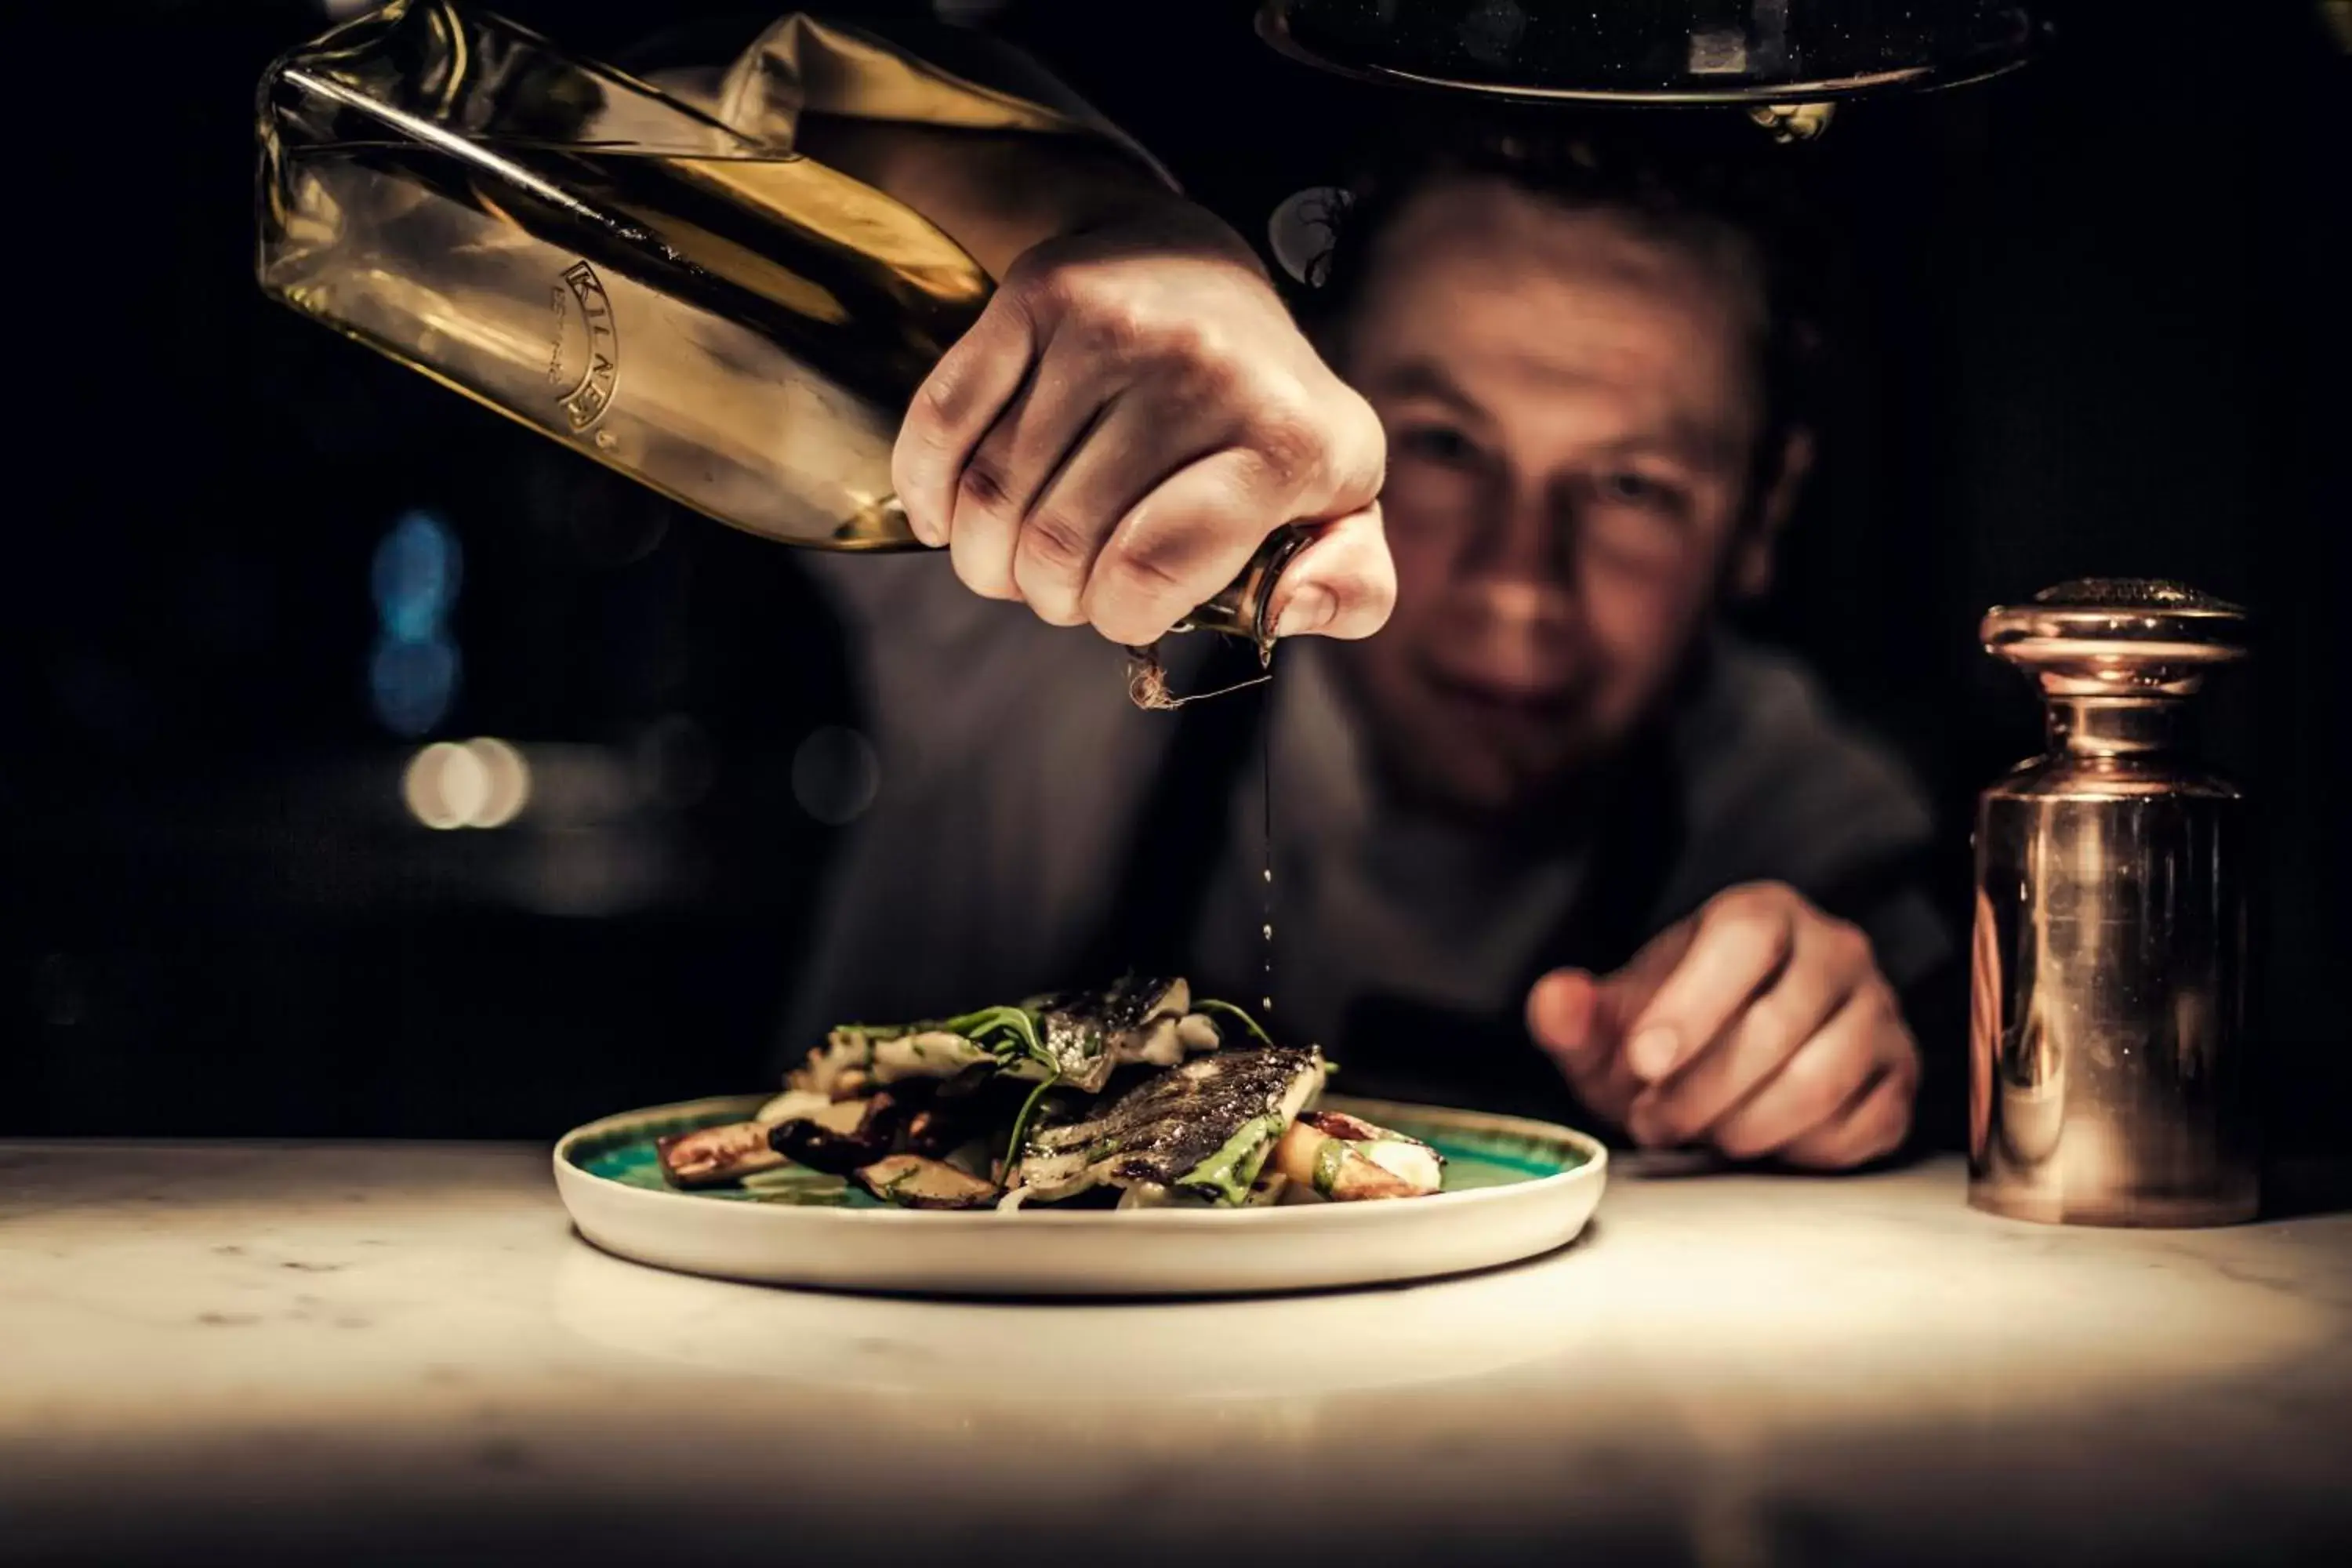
(1566, 1018)
(1341, 584)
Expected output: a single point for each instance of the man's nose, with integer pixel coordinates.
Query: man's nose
(1522, 579)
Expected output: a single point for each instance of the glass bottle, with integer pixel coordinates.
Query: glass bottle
(738, 327)
(2108, 1082)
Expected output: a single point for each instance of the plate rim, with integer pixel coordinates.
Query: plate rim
(1299, 1216)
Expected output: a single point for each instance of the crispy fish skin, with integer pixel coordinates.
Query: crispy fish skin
(1204, 1127)
(1090, 1033)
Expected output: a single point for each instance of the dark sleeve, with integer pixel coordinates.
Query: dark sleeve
(1893, 899)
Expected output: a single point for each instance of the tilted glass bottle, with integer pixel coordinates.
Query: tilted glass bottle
(737, 326)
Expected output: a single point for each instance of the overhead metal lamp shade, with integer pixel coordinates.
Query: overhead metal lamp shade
(1753, 52)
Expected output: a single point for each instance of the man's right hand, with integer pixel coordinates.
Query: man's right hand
(1759, 1026)
(1130, 417)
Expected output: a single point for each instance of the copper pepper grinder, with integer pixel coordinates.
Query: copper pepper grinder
(2108, 1081)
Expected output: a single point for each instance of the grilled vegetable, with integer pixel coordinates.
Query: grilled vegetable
(913, 1181)
(843, 1136)
(1347, 1159)
(857, 1054)
(713, 1156)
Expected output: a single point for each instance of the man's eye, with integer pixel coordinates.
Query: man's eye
(1629, 488)
(1437, 444)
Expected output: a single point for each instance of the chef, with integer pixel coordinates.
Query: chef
(1552, 840)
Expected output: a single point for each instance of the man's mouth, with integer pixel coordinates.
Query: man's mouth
(1518, 704)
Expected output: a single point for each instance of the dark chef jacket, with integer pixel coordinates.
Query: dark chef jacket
(1030, 830)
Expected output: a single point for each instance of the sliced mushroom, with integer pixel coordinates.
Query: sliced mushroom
(713, 1156)
(936, 1130)
(1348, 1160)
(841, 1136)
(910, 1181)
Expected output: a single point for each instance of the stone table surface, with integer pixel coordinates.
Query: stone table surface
(250, 1352)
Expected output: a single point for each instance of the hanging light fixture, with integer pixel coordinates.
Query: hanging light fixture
(1781, 59)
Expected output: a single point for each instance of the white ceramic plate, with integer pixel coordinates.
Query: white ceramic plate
(1514, 1189)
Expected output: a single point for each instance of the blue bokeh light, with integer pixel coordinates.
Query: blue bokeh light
(414, 577)
(413, 672)
(413, 684)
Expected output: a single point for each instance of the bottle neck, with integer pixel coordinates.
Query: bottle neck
(2113, 726)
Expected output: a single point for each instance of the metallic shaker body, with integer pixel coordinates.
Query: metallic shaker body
(2109, 1081)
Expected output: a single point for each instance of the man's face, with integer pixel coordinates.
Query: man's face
(1572, 415)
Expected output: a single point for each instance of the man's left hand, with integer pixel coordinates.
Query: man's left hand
(1759, 1026)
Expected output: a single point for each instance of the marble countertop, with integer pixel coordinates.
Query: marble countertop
(400, 1353)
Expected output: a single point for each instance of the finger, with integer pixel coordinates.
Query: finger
(1133, 445)
(1568, 1019)
(1181, 544)
(1563, 1017)
(1873, 1126)
(1342, 584)
(1739, 943)
(992, 493)
(954, 408)
(1817, 1082)
(1827, 961)
(1627, 992)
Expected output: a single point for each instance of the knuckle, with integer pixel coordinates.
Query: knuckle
(1850, 945)
(1206, 390)
(1135, 571)
(1768, 1029)
(983, 485)
(1128, 598)
(1189, 341)
(1817, 1083)
(1109, 329)
(1748, 919)
(1052, 544)
(936, 404)
(1288, 442)
(1763, 898)
(1042, 288)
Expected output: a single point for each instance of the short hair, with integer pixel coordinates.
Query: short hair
(1690, 177)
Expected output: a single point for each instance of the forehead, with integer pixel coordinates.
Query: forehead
(1507, 291)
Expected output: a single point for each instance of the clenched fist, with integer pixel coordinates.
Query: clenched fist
(1133, 412)
(1758, 1027)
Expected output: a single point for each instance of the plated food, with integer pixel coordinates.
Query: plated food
(1133, 1096)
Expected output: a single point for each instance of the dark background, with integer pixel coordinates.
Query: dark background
(2098, 326)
